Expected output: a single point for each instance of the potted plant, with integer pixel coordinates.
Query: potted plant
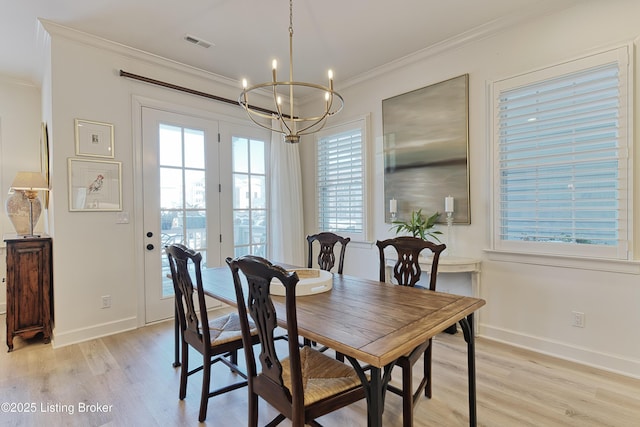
(419, 225)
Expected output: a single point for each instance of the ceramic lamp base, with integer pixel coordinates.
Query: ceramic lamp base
(18, 208)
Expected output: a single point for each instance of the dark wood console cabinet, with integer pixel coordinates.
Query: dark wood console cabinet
(29, 287)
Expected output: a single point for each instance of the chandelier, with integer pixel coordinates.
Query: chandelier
(287, 123)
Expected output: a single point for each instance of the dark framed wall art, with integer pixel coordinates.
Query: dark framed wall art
(426, 150)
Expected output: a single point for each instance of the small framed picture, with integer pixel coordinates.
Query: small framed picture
(95, 185)
(94, 139)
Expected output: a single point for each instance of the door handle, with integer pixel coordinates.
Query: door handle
(150, 247)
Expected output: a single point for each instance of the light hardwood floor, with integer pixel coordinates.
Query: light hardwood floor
(130, 380)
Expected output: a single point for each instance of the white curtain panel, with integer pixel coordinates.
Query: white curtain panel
(287, 231)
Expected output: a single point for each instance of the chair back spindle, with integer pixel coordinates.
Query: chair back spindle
(179, 259)
(326, 255)
(406, 271)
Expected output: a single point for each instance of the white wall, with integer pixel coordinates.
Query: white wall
(93, 255)
(19, 149)
(527, 305)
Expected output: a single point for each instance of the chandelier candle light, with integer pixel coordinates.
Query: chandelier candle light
(288, 124)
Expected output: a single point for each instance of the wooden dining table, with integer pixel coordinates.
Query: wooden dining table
(372, 323)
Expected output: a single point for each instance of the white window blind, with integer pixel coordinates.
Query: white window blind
(340, 183)
(562, 159)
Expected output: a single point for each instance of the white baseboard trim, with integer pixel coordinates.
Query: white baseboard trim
(584, 356)
(92, 332)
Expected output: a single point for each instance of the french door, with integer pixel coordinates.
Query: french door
(205, 186)
(181, 198)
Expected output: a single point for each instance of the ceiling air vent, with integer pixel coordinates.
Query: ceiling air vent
(198, 42)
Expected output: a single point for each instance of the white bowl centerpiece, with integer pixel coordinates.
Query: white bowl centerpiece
(312, 281)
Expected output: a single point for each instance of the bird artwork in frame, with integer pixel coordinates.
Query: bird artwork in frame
(95, 185)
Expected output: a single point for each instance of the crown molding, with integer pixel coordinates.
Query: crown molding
(476, 34)
(57, 30)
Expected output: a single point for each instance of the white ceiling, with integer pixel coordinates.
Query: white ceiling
(349, 36)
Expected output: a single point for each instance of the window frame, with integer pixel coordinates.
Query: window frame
(513, 250)
(361, 123)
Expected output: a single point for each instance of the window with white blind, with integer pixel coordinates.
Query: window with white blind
(341, 183)
(561, 163)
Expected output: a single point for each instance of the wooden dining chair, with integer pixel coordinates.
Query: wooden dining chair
(406, 272)
(303, 386)
(217, 340)
(326, 255)
(326, 261)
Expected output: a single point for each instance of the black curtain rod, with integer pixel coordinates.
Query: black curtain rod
(191, 91)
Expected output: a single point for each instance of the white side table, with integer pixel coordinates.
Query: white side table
(455, 264)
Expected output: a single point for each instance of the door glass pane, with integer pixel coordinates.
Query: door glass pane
(258, 193)
(240, 251)
(196, 229)
(194, 187)
(259, 226)
(257, 156)
(194, 148)
(240, 155)
(240, 191)
(241, 234)
(170, 188)
(170, 145)
(260, 250)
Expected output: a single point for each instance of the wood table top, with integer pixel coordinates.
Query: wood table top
(372, 321)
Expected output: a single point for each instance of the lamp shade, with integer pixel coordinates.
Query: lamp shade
(32, 181)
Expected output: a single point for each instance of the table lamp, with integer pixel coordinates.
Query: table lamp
(24, 201)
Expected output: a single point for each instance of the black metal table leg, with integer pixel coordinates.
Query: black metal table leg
(467, 329)
(375, 400)
(375, 388)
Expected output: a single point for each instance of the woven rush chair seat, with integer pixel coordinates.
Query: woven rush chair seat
(226, 328)
(322, 376)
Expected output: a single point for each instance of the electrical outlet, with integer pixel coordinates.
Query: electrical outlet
(106, 301)
(578, 319)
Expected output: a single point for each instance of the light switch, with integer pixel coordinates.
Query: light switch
(122, 218)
